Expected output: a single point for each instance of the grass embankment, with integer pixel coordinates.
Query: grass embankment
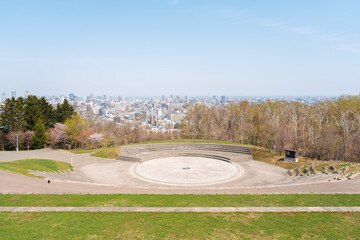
(188, 200)
(70, 225)
(268, 156)
(106, 152)
(25, 166)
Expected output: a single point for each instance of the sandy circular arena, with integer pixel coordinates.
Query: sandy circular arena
(187, 170)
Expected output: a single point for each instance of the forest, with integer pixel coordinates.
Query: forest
(25, 121)
(326, 130)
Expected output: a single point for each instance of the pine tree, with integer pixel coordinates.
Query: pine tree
(47, 112)
(40, 135)
(12, 114)
(32, 112)
(36, 108)
(64, 111)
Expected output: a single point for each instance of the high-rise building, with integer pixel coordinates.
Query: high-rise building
(72, 97)
(187, 99)
(3, 97)
(222, 99)
(27, 93)
(13, 94)
(152, 120)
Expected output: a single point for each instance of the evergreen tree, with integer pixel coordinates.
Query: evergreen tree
(12, 114)
(64, 111)
(40, 135)
(36, 108)
(47, 112)
(32, 112)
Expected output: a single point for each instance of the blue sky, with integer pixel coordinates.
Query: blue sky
(180, 47)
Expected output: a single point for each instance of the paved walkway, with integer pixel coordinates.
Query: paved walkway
(15, 183)
(125, 183)
(180, 209)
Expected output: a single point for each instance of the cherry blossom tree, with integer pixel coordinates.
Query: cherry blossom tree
(28, 136)
(58, 136)
(83, 137)
(15, 137)
(96, 138)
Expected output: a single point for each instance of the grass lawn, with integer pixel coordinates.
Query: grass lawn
(70, 225)
(188, 200)
(24, 166)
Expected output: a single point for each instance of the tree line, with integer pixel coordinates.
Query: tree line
(327, 130)
(34, 123)
(26, 120)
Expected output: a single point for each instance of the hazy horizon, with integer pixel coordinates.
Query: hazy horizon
(180, 47)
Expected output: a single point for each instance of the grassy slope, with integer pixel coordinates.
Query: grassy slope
(109, 152)
(188, 200)
(24, 166)
(68, 225)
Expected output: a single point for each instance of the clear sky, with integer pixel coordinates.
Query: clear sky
(180, 47)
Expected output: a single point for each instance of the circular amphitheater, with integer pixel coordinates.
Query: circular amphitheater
(171, 166)
(185, 164)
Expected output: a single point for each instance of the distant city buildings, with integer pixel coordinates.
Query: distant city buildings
(72, 97)
(222, 101)
(155, 114)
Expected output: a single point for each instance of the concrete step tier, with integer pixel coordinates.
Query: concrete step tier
(185, 146)
(224, 152)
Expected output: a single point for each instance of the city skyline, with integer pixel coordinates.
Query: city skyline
(193, 48)
(98, 95)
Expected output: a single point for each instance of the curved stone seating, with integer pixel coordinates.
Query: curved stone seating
(224, 152)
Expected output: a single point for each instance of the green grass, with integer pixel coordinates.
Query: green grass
(82, 151)
(108, 152)
(70, 225)
(24, 166)
(188, 200)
